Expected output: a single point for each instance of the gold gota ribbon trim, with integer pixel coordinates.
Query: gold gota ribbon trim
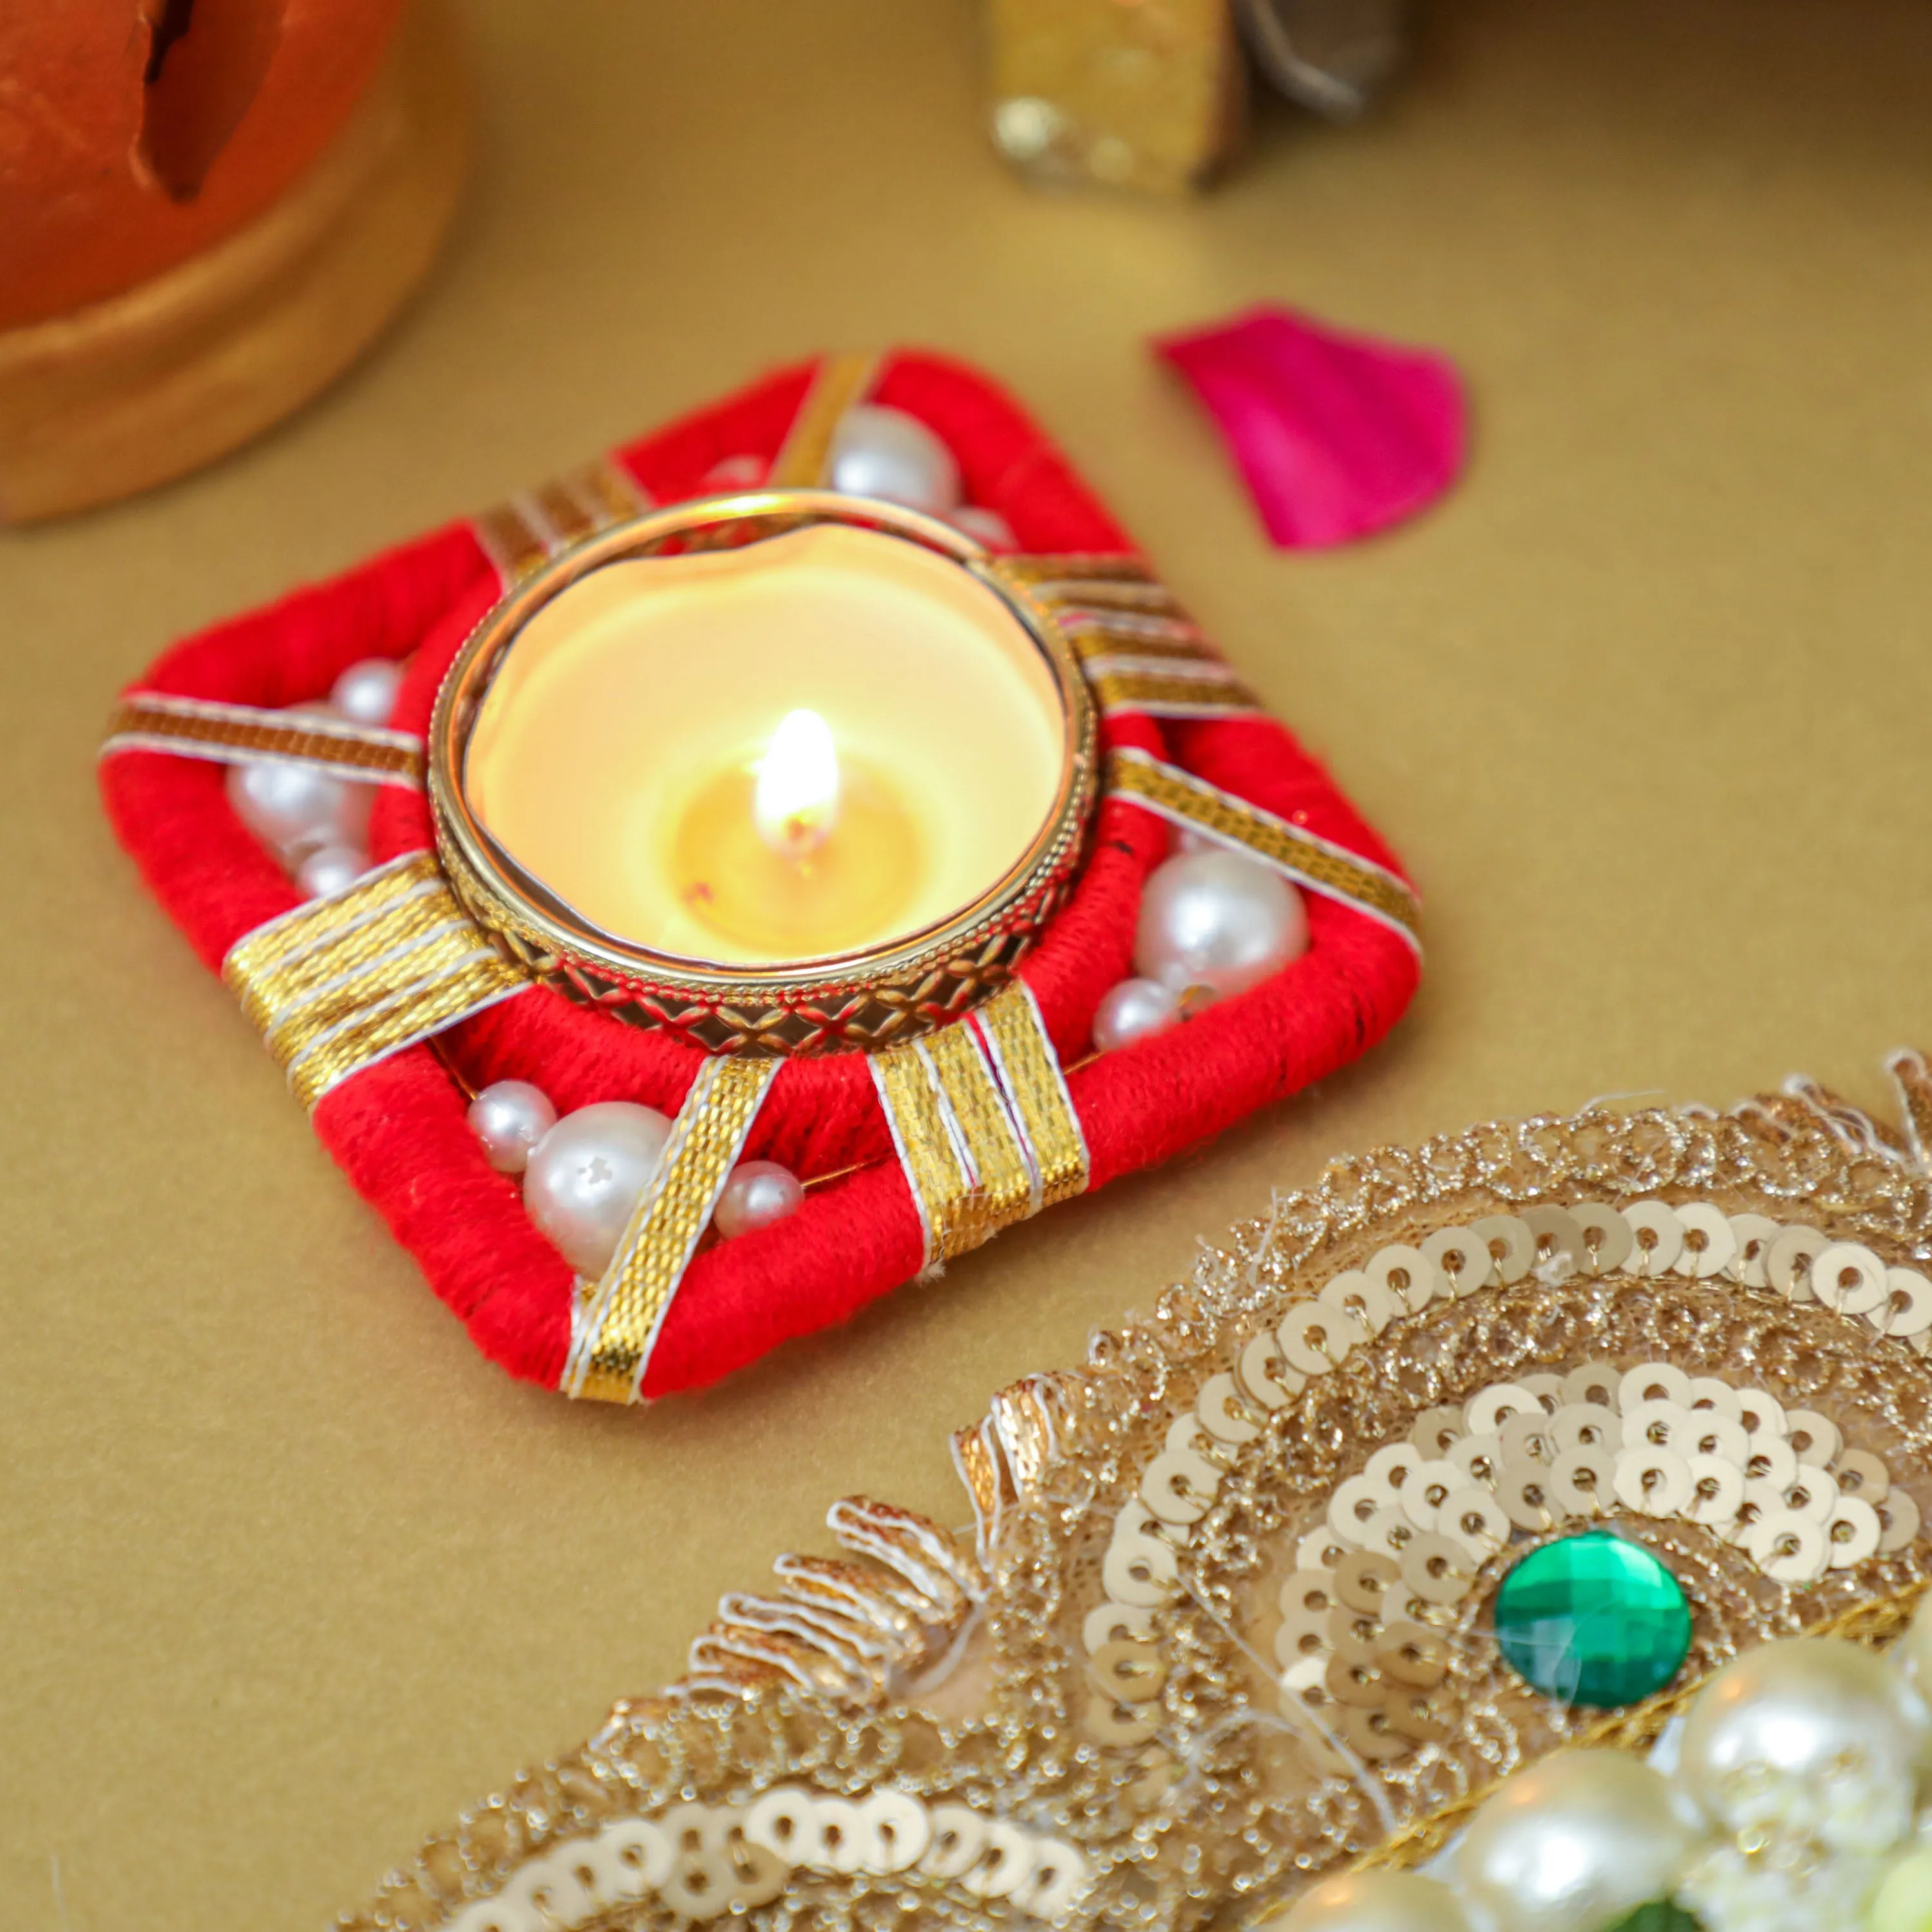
(1312, 862)
(1103, 597)
(522, 535)
(234, 734)
(1030, 1073)
(986, 1134)
(925, 1141)
(1045, 571)
(983, 1123)
(617, 1318)
(842, 382)
(1097, 634)
(346, 980)
(1139, 652)
(1162, 688)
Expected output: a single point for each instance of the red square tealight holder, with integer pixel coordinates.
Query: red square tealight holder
(928, 1088)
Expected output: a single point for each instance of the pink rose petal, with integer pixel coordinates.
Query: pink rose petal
(1337, 435)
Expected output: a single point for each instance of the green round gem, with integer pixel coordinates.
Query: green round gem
(1594, 1619)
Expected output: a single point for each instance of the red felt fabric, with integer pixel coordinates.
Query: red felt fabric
(398, 1129)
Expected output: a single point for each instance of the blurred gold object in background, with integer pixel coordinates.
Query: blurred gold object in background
(1150, 94)
(1144, 95)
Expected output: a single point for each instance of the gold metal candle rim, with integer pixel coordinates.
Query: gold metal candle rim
(559, 943)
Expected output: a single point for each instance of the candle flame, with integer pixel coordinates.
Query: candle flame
(796, 803)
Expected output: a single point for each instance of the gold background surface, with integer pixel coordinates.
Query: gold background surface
(288, 1572)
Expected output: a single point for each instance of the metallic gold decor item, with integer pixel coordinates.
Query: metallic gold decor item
(1229, 1621)
(615, 1323)
(852, 1001)
(348, 979)
(1150, 94)
(1144, 95)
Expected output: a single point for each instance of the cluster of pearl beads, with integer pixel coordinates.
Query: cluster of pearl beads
(315, 824)
(1648, 1238)
(883, 452)
(584, 1173)
(1213, 923)
(702, 1860)
(1786, 1801)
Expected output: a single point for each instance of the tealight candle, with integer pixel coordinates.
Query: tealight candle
(771, 763)
(796, 851)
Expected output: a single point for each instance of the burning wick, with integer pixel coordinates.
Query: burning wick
(796, 803)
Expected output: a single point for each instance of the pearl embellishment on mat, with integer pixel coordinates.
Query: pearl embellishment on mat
(1804, 1710)
(758, 1193)
(885, 453)
(1573, 1843)
(986, 526)
(331, 868)
(736, 472)
(366, 693)
(1135, 1009)
(295, 810)
(1217, 920)
(509, 1118)
(1377, 1902)
(587, 1174)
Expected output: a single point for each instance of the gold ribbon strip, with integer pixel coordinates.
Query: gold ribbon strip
(346, 980)
(982, 1123)
(1030, 1073)
(841, 383)
(522, 535)
(1096, 634)
(1045, 571)
(1097, 597)
(1134, 644)
(234, 734)
(987, 1141)
(925, 1141)
(1311, 861)
(1084, 592)
(617, 1318)
(1162, 688)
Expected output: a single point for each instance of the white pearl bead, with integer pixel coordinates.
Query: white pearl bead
(509, 1118)
(1572, 1844)
(1135, 1009)
(1217, 920)
(986, 526)
(586, 1174)
(1376, 1902)
(366, 693)
(883, 452)
(758, 1193)
(294, 809)
(735, 473)
(331, 868)
(1808, 1710)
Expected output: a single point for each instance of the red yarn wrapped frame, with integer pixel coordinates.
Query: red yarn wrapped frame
(398, 1129)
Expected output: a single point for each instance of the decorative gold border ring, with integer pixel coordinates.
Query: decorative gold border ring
(853, 1001)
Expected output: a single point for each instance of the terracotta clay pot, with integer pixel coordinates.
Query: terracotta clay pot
(182, 183)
